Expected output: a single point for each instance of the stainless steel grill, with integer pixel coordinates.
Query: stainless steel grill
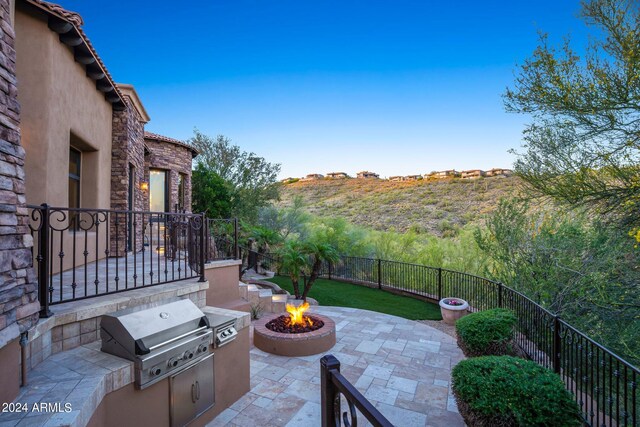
(161, 340)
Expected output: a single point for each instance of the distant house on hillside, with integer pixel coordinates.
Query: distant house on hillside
(472, 174)
(368, 175)
(412, 177)
(337, 175)
(395, 178)
(499, 172)
(442, 174)
(313, 177)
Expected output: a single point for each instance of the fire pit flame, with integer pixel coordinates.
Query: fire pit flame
(296, 315)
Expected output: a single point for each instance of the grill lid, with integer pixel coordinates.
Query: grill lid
(139, 331)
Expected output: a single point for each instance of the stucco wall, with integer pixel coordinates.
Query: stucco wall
(58, 100)
(60, 106)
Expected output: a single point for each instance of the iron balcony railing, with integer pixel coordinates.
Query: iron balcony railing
(604, 385)
(84, 253)
(334, 385)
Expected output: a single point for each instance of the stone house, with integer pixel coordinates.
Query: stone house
(451, 173)
(73, 138)
(312, 177)
(499, 172)
(412, 177)
(396, 178)
(367, 175)
(472, 174)
(337, 175)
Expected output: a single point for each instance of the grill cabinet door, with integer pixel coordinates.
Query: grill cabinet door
(192, 392)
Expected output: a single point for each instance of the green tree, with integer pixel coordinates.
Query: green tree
(583, 145)
(211, 194)
(252, 180)
(578, 268)
(286, 221)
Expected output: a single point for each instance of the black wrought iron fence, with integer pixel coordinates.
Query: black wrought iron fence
(604, 385)
(84, 253)
(333, 386)
(222, 239)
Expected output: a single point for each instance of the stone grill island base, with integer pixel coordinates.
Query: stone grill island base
(294, 345)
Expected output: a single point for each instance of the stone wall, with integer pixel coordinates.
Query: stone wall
(176, 159)
(19, 304)
(127, 149)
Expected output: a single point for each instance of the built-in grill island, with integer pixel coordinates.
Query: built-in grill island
(175, 341)
(160, 340)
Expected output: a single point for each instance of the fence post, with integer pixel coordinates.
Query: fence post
(379, 273)
(202, 246)
(500, 295)
(43, 263)
(557, 345)
(236, 251)
(329, 267)
(439, 283)
(330, 405)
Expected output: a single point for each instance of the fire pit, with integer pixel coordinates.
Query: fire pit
(294, 334)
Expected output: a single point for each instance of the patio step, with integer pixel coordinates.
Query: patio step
(239, 304)
(278, 303)
(265, 300)
(243, 291)
(254, 295)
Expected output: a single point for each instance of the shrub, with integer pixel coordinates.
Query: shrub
(487, 333)
(501, 391)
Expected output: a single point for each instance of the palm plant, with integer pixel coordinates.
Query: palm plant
(303, 260)
(293, 261)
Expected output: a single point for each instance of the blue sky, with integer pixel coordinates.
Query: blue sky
(397, 87)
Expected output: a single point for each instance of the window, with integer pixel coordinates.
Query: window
(158, 200)
(182, 178)
(74, 183)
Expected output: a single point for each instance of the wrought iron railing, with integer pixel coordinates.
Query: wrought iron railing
(604, 385)
(84, 253)
(222, 239)
(334, 385)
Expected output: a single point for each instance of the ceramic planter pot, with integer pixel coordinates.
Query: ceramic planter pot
(453, 309)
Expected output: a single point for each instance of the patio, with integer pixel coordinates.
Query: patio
(403, 367)
(144, 268)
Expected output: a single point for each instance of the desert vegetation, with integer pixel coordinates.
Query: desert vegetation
(436, 207)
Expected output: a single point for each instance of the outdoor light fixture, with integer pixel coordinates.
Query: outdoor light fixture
(144, 185)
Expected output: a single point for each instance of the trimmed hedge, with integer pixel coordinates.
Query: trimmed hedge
(487, 333)
(497, 391)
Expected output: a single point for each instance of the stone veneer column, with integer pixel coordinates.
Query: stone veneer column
(19, 304)
(127, 148)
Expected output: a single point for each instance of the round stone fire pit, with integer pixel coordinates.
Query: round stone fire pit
(300, 344)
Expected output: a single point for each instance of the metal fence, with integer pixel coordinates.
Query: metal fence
(333, 386)
(604, 385)
(84, 253)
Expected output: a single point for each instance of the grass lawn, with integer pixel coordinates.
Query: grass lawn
(330, 292)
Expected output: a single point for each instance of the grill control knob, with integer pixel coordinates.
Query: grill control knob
(155, 371)
(173, 362)
(188, 355)
(202, 348)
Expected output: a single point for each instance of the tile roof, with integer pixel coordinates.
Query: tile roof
(162, 138)
(76, 20)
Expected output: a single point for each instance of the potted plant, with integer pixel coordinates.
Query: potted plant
(453, 309)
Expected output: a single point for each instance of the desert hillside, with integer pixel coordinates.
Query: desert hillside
(436, 207)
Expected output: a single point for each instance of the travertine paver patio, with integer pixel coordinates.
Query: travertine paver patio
(135, 270)
(403, 367)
